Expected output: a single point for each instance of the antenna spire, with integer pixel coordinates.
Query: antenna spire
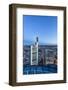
(37, 39)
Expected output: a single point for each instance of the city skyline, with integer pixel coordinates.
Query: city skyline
(45, 27)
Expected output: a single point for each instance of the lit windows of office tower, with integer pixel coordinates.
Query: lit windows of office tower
(34, 53)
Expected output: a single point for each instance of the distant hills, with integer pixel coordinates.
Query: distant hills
(28, 42)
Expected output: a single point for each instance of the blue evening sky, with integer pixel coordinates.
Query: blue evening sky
(43, 27)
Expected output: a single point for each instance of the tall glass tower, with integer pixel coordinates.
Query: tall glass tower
(34, 53)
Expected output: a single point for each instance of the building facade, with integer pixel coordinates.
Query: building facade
(34, 53)
(39, 54)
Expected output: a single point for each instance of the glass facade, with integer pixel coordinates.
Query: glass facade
(45, 63)
(34, 55)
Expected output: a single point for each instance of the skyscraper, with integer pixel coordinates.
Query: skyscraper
(34, 53)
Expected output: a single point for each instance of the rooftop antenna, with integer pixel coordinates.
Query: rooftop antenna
(37, 39)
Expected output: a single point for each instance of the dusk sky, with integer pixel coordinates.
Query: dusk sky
(43, 27)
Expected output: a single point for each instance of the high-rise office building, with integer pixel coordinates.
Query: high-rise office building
(34, 53)
(38, 54)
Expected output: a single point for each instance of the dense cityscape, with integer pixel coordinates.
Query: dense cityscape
(39, 59)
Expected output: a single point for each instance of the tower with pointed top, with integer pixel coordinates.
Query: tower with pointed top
(34, 53)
